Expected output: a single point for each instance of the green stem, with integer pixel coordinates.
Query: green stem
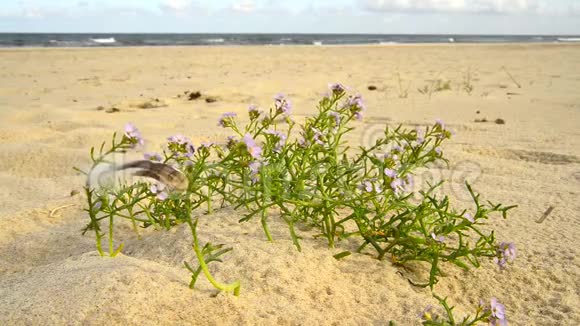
(111, 250)
(232, 287)
(209, 208)
(265, 225)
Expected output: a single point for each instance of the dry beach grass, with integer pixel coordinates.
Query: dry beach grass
(49, 119)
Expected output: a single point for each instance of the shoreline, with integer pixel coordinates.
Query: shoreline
(269, 46)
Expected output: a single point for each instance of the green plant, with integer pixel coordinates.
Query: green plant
(467, 82)
(435, 86)
(492, 313)
(403, 92)
(307, 174)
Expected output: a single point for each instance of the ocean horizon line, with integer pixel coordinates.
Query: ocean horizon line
(16, 40)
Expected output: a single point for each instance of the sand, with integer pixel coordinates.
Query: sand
(51, 274)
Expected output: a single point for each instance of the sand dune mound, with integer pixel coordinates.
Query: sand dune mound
(91, 289)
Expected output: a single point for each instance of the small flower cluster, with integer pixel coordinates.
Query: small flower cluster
(180, 146)
(254, 112)
(279, 139)
(506, 252)
(356, 106)
(282, 104)
(226, 119)
(133, 135)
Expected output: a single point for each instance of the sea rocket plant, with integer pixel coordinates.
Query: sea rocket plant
(309, 176)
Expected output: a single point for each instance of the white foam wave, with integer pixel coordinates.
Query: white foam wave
(569, 39)
(317, 43)
(107, 40)
(214, 40)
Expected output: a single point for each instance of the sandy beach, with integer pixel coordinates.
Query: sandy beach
(57, 103)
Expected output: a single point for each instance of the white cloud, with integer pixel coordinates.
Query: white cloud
(473, 6)
(245, 6)
(176, 5)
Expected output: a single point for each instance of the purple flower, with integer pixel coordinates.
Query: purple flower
(97, 205)
(509, 250)
(253, 108)
(178, 139)
(498, 316)
(317, 136)
(133, 134)
(231, 142)
(226, 119)
(159, 191)
(501, 262)
(162, 195)
(397, 185)
(429, 313)
(302, 142)
(253, 148)
(440, 123)
(180, 145)
(439, 239)
(506, 252)
(255, 170)
(438, 150)
(153, 157)
(420, 136)
(469, 217)
(370, 186)
(281, 139)
(254, 112)
(337, 88)
(390, 173)
(356, 106)
(282, 104)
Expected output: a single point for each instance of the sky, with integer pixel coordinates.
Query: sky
(292, 16)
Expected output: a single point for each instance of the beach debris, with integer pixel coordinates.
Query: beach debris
(74, 192)
(341, 255)
(56, 209)
(372, 88)
(546, 213)
(511, 77)
(480, 120)
(477, 112)
(500, 121)
(211, 99)
(191, 96)
(111, 109)
(152, 103)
